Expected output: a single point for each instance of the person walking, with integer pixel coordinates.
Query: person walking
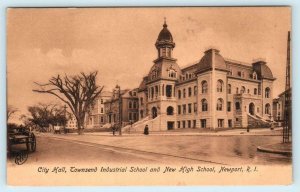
(146, 130)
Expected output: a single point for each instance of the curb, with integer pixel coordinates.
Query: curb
(268, 150)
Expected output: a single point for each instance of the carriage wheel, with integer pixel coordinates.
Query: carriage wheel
(32, 142)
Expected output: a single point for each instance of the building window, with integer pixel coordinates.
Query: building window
(237, 106)
(102, 110)
(254, 75)
(195, 108)
(194, 123)
(190, 108)
(220, 123)
(184, 93)
(130, 105)
(243, 89)
(156, 91)
(101, 101)
(203, 123)
(170, 110)
(172, 73)
(178, 124)
(189, 124)
(228, 106)
(229, 122)
(195, 90)
(190, 91)
(179, 94)
(184, 109)
(134, 105)
(255, 91)
(219, 104)
(183, 124)
(142, 101)
(204, 86)
(267, 108)
(267, 92)
(102, 119)
(219, 85)
(179, 109)
(248, 91)
(204, 104)
(130, 116)
(239, 73)
(229, 88)
(169, 90)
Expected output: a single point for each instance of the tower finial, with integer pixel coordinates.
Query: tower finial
(165, 22)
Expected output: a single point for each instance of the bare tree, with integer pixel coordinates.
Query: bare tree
(10, 111)
(78, 92)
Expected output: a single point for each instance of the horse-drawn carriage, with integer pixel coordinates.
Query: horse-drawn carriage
(19, 136)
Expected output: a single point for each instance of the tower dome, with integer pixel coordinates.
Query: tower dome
(164, 43)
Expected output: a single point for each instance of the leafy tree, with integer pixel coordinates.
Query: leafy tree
(42, 115)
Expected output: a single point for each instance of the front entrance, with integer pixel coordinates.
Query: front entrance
(170, 125)
(251, 108)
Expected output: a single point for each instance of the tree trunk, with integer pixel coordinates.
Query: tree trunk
(80, 126)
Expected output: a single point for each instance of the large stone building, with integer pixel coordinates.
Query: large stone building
(215, 92)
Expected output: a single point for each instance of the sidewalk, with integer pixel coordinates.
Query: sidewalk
(278, 148)
(231, 132)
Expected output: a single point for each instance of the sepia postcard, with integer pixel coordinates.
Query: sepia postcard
(149, 96)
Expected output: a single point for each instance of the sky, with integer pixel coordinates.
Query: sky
(119, 43)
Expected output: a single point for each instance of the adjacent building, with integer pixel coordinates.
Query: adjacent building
(97, 116)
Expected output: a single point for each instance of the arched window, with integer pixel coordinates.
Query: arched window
(267, 92)
(154, 112)
(255, 91)
(204, 86)
(179, 94)
(219, 85)
(204, 104)
(170, 110)
(237, 106)
(229, 88)
(243, 89)
(220, 104)
(267, 108)
(195, 90)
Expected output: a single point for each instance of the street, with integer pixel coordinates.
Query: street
(156, 149)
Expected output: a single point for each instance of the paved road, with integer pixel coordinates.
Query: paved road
(52, 150)
(175, 149)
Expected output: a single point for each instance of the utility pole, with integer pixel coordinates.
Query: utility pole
(120, 109)
(65, 114)
(287, 97)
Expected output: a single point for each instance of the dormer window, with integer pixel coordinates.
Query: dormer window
(172, 72)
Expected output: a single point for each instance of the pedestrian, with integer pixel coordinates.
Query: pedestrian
(114, 130)
(146, 130)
